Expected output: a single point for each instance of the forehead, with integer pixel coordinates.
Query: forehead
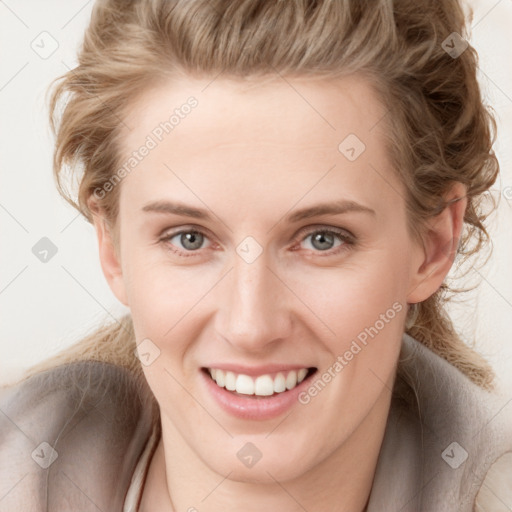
(283, 110)
(252, 135)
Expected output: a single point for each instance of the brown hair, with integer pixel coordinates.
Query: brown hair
(439, 130)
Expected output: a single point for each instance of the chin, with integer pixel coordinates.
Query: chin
(269, 468)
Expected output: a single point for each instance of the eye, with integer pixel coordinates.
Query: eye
(327, 239)
(187, 241)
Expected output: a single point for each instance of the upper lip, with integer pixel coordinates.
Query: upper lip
(257, 370)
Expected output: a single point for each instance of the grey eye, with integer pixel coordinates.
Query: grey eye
(191, 240)
(323, 240)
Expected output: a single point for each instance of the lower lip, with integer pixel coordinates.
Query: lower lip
(251, 408)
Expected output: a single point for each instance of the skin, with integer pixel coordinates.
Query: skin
(250, 154)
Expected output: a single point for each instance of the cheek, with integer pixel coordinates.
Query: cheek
(352, 297)
(166, 300)
(159, 298)
(339, 300)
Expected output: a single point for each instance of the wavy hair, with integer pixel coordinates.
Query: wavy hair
(439, 130)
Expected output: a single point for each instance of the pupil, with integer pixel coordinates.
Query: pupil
(323, 238)
(191, 238)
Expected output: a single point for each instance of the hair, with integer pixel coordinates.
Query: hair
(438, 129)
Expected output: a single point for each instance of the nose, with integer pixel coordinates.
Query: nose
(253, 307)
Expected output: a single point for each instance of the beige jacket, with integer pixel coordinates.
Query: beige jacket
(71, 439)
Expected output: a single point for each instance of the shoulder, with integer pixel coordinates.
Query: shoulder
(71, 389)
(449, 438)
(77, 426)
(472, 428)
(495, 494)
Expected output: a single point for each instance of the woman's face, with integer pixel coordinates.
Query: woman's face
(289, 250)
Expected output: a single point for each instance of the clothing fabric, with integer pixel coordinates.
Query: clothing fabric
(443, 435)
(134, 494)
(80, 437)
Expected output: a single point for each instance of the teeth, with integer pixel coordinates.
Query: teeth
(264, 385)
(230, 381)
(291, 380)
(244, 384)
(279, 383)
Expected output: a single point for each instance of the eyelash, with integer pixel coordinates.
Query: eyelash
(347, 238)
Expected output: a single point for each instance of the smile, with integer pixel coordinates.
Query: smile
(262, 385)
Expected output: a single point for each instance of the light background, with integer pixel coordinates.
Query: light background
(48, 306)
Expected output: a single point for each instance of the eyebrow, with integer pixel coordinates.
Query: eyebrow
(334, 208)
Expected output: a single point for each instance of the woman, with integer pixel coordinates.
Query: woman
(279, 190)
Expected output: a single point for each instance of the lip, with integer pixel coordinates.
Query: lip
(261, 408)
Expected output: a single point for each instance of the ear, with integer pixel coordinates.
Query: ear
(109, 253)
(440, 243)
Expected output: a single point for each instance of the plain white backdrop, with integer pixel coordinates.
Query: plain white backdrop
(46, 306)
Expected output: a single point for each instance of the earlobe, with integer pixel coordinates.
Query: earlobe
(109, 257)
(440, 244)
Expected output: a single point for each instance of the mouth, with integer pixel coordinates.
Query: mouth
(262, 386)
